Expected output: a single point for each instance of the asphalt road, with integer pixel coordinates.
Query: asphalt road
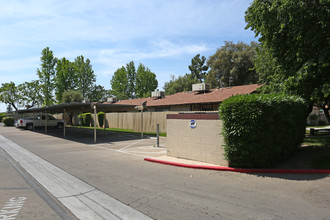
(21, 197)
(115, 166)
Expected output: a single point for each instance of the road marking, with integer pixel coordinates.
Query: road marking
(80, 198)
(130, 145)
(12, 208)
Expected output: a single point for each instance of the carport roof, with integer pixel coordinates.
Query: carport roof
(78, 107)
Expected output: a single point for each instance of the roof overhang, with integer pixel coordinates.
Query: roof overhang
(79, 107)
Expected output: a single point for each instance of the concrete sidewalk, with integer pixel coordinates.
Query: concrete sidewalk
(82, 199)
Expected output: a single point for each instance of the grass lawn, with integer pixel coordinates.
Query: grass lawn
(163, 134)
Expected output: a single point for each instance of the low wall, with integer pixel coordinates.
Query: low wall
(200, 141)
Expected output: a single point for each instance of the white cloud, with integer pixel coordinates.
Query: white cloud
(113, 59)
(163, 34)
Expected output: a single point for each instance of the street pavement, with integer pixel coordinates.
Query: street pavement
(115, 167)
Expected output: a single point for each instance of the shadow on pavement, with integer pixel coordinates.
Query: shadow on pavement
(86, 136)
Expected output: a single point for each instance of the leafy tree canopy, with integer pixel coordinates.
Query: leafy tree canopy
(198, 68)
(294, 47)
(71, 96)
(145, 82)
(46, 75)
(84, 74)
(127, 83)
(232, 64)
(181, 84)
(66, 77)
(9, 94)
(30, 94)
(98, 94)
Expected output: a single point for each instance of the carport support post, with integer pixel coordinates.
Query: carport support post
(45, 122)
(105, 114)
(94, 123)
(33, 121)
(142, 122)
(157, 135)
(64, 122)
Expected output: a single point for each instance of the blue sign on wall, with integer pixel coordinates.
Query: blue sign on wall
(193, 123)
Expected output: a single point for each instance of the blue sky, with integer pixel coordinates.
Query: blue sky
(164, 35)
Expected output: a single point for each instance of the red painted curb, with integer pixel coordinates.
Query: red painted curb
(241, 170)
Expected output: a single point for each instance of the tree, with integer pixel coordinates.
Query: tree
(131, 74)
(71, 96)
(30, 94)
(126, 83)
(98, 94)
(119, 84)
(65, 79)
(181, 84)
(232, 64)
(294, 47)
(85, 75)
(9, 94)
(198, 68)
(46, 75)
(145, 82)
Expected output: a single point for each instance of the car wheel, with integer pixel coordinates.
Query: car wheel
(60, 125)
(29, 126)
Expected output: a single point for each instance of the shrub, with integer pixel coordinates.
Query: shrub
(313, 119)
(260, 129)
(85, 119)
(322, 123)
(8, 121)
(100, 117)
(2, 115)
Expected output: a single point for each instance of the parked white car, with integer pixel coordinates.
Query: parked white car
(39, 121)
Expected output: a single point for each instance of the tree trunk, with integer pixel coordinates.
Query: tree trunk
(309, 109)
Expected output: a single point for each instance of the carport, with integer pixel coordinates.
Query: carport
(76, 107)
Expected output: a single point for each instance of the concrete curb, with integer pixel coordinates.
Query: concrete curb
(242, 170)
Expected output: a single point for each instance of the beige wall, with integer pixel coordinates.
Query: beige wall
(203, 143)
(132, 120)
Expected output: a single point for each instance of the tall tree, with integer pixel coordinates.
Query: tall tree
(126, 83)
(119, 84)
(71, 96)
(232, 64)
(145, 82)
(46, 75)
(181, 84)
(30, 94)
(85, 75)
(131, 73)
(9, 95)
(66, 78)
(98, 94)
(294, 41)
(198, 68)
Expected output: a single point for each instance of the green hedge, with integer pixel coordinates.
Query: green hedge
(8, 121)
(260, 129)
(85, 119)
(100, 117)
(2, 115)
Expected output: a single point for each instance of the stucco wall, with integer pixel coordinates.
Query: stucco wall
(202, 143)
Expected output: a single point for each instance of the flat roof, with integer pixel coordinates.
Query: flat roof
(79, 107)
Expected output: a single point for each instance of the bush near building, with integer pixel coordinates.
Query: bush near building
(100, 117)
(260, 129)
(85, 119)
(8, 121)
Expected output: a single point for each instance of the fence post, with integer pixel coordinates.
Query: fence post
(157, 135)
